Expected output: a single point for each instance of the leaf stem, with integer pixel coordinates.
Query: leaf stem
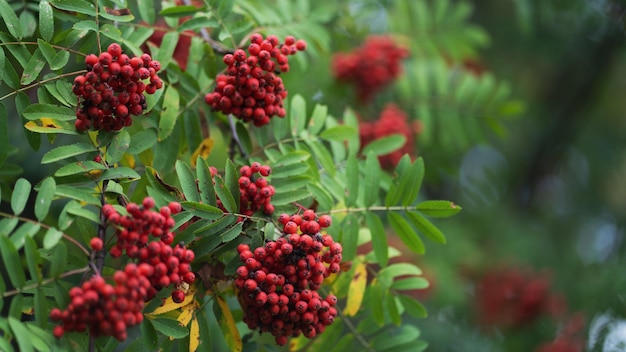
(52, 79)
(65, 236)
(45, 282)
(373, 208)
(235, 141)
(54, 46)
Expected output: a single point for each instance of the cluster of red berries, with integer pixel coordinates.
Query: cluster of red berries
(278, 283)
(105, 309)
(170, 265)
(113, 89)
(255, 193)
(251, 89)
(371, 66)
(512, 298)
(391, 121)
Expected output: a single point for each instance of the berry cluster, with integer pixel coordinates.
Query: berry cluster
(255, 193)
(370, 67)
(105, 309)
(278, 283)
(251, 89)
(511, 298)
(392, 121)
(113, 89)
(570, 339)
(170, 265)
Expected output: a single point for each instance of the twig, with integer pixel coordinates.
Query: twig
(52, 79)
(54, 46)
(45, 282)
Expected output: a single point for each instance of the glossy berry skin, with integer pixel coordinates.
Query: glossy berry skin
(178, 296)
(280, 293)
(250, 89)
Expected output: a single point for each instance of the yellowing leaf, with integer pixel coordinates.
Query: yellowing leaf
(357, 290)
(169, 304)
(185, 317)
(298, 343)
(204, 150)
(227, 324)
(48, 125)
(194, 335)
(129, 160)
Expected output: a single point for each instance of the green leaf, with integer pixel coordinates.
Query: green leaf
(20, 332)
(227, 324)
(2, 62)
(318, 118)
(146, 11)
(79, 167)
(231, 180)
(297, 115)
(225, 196)
(33, 68)
(55, 112)
(205, 182)
(392, 310)
(115, 17)
(59, 260)
(294, 183)
(171, 101)
(215, 227)
(412, 306)
(75, 208)
(244, 137)
(166, 52)
(379, 238)
(323, 198)
(385, 145)
(426, 227)
(404, 230)
(119, 145)
(280, 171)
(67, 151)
(405, 335)
(32, 258)
(438, 208)
(411, 283)
(377, 295)
(148, 333)
(60, 60)
(120, 173)
(187, 181)
(411, 182)
(387, 274)
(80, 194)
(44, 198)
(80, 6)
(86, 25)
(198, 23)
(26, 229)
(46, 20)
(169, 327)
(323, 157)
(142, 140)
(289, 197)
(21, 192)
(350, 236)
(291, 158)
(338, 133)
(179, 11)
(12, 262)
(10, 20)
(352, 180)
(372, 180)
(52, 238)
(203, 211)
(232, 232)
(4, 133)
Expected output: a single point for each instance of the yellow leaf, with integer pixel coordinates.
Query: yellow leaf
(185, 317)
(194, 335)
(227, 324)
(129, 160)
(203, 150)
(298, 343)
(169, 304)
(356, 290)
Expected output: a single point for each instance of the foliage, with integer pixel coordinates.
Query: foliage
(317, 161)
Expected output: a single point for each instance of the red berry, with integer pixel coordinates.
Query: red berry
(96, 244)
(178, 296)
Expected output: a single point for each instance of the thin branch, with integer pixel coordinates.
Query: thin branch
(54, 46)
(373, 208)
(52, 79)
(354, 331)
(98, 28)
(65, 236)
(235, 141)
(45, 282)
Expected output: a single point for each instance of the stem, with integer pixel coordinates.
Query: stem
(54, 46)
(97, 257)
(42, 82)
(97, 19)
(65, 236)
(45, 282)
(235, 140)
(356, 334)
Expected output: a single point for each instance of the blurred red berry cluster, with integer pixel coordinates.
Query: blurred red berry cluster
(569, 339)
(392, 120)
(370, 67)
